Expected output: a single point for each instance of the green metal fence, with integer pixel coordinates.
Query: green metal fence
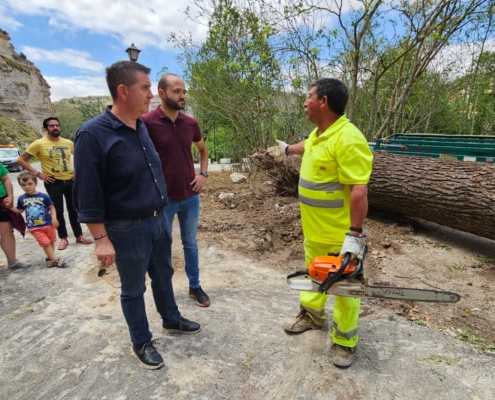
(461, 147)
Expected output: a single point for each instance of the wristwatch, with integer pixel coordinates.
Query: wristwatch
(204, 173)
(358, 230)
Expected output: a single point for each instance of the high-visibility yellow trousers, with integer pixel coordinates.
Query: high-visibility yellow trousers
(345, 310)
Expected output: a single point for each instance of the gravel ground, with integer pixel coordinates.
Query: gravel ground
(64, 337)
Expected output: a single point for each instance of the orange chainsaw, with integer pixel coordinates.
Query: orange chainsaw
(345, 277)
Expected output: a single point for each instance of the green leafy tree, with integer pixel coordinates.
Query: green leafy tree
(219, 143)
(70, 123)
(251, 74)
(233, 77)
(473, 102)
(383, 66)
(91, 109)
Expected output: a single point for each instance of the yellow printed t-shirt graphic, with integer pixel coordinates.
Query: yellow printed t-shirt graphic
(54, 156)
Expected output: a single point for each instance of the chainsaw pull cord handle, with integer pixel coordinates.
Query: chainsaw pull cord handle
(327, 283)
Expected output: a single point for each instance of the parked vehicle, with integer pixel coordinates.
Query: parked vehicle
(8, 157)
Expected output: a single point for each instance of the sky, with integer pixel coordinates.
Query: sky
(72, 44)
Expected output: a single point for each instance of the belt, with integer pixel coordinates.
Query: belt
(155, 213)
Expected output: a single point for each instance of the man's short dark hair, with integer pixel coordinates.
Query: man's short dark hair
(123, 73)
(336, 92)
(163, 82)
(45, 121)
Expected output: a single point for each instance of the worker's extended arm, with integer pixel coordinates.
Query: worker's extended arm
(294, 149)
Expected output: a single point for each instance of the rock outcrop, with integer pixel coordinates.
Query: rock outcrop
(24, 93)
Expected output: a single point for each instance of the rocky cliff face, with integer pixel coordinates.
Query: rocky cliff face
(24, 93)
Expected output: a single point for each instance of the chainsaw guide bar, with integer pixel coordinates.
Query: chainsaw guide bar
(343, 277)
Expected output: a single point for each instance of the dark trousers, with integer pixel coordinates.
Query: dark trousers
(57, 191)
(144, 245)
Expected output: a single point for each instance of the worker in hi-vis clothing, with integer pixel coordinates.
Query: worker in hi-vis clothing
(336, 167)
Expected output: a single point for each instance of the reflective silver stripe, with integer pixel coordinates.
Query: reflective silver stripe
(339, 203)
(324, 186)
(316, 313)
(348, 335)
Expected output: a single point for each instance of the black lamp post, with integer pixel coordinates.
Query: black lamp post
(133, 52)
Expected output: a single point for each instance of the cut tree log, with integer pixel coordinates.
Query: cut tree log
(457, 194)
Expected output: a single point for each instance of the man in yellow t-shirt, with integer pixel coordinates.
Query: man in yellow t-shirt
(335, 170)
(54, 153)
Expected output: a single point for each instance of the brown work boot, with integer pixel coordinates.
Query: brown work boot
(303, 322)
(342, 356)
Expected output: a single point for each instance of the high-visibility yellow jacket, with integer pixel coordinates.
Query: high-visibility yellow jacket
(339, 157)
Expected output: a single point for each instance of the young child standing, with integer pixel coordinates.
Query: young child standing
(41, 217)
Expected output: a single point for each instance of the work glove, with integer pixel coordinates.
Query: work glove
(282, 146)
(352, 244)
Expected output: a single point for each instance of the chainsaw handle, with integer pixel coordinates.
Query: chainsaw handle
(297, 273)
(327, 283)
(360, 263)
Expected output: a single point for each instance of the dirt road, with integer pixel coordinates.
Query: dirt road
(63, 337)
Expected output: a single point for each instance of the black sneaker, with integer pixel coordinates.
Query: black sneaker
(200, 296)
(183, 326)
(147, 355)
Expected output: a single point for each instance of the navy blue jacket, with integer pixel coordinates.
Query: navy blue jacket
(118, 174)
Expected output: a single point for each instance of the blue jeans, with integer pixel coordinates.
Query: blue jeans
(57, 191)
(144, 245)
(188, 213)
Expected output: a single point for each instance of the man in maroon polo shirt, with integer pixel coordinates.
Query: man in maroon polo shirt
(173, 134)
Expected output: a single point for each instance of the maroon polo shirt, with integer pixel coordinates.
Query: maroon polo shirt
(173, 141)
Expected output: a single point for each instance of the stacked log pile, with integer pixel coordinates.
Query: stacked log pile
(457, 194)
